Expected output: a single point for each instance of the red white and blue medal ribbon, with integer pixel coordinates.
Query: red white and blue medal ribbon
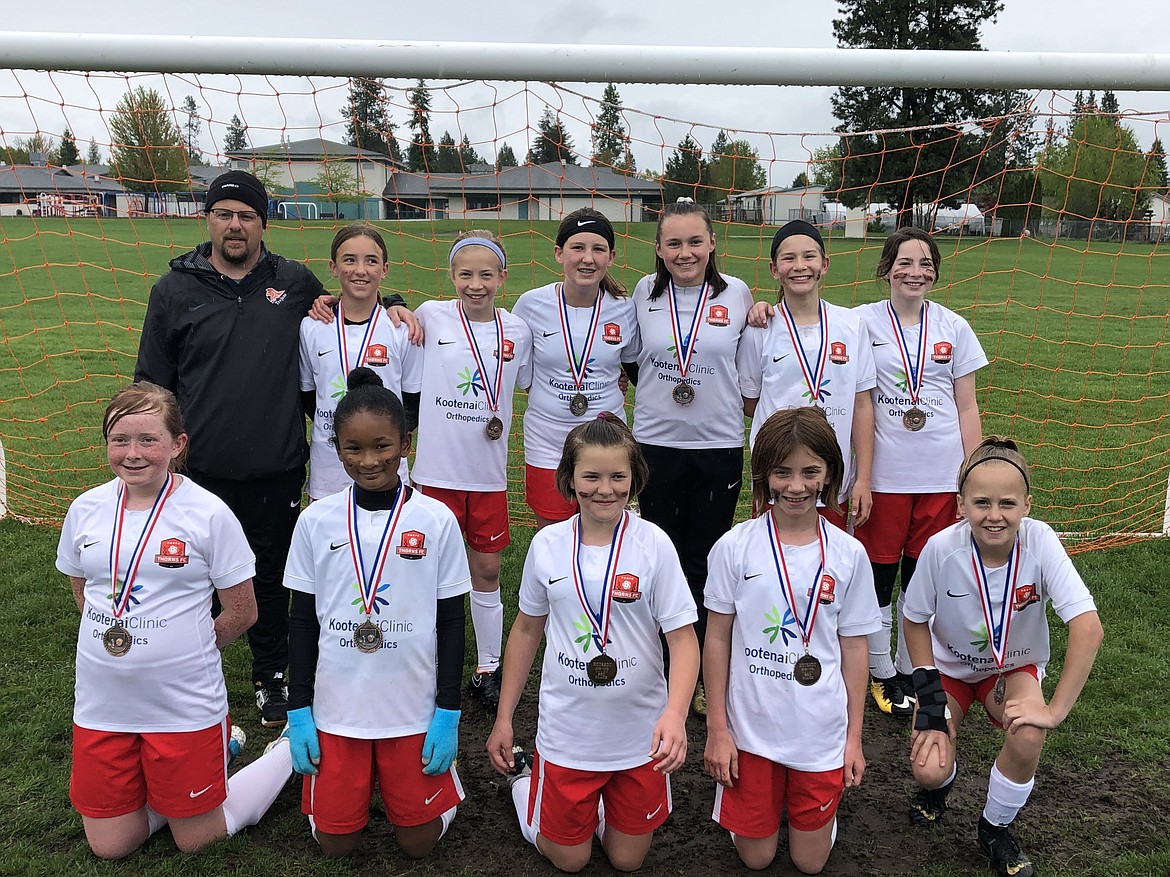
(599, 619)
(997, 637)
(813, 374)
(121, 598)
(368, 585)
(684, 347)
(492, 390)
(342, 350)
(808, 620)
(578, 367)
(914, 370)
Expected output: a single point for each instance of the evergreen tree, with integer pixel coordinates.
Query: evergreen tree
(190, 131)
(611, 144)
(93, 155)
(447, 157)
(552, 142)
(1156, 164)
(1109, 104)
(367, 118)
(905, 167)
(1098, 173)
(800, 181)
(236, 139)
(505, 157)
(148, 153)
(734, 167)
(467, 154)
(684, 172)
(67, 152)
(420, 155)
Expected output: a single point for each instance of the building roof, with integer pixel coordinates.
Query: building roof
(817, 191)
(32, 181)
(311, 149)
(550, 178)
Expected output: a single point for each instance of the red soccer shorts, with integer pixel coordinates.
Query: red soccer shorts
(967, 693)
(483, 517)
(765, 789)
(900, 523)
(542, 496)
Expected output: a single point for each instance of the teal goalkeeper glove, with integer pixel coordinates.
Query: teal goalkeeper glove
(302, 740)
(442, 742)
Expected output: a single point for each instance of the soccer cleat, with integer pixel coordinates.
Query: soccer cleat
(522, 769)
(906, 684)
(1006, 856)
(274, 743)
(699, 701)
(928, 805)
(890, 697)
(486, 684)
(272, 701)
(236, 743)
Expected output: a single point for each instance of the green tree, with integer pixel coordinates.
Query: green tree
(67, 152)
(147, 154)
(420, 155)
(236, 139)
(93, 155)
(467, 154)
(826, 168)
(1109, 104)
(552, 142)
(190, 131)
(611, 143)
(800, 181)
(927, 147)
(23, 149)
(447, 156)
(734, 167)
(685, 170)
(1097, 173)
(339, 184)
(505, 157)
(367, 118)
(1156, 166)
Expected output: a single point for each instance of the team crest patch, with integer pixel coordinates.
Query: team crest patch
(611, 333)
(275, 296)
(827, 591)
(413, 545)
(1025, 595)
(172, 553)
(509, 350)
(376, 354)
(717, 316)
(625, 588)
(837, 353)
(942, 352)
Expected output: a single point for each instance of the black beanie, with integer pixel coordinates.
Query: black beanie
(797, 226)
(239, 186)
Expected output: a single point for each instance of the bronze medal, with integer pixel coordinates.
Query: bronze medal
(807, 670)
(914, 419)
(602, 670)
(683, 393)
(368, 637)
(1000, 690)
(117, 640)
(494, 429)
(578, 405)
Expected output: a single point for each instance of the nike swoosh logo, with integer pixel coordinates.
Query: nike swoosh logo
(754, 575)
(324, 352)
(581, 223)
(333, 546)
(825, 807)
(733, 485)
(427, 801)
(949, 594)
(548, 334)
(441, 343)
(778, 358)
(200, 792)
(655, 813)
(193, 308)
(494, 538)
(554, 581)
(652, 310)
(880, 343)
(89, 544)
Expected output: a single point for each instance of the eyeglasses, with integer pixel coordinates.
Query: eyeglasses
(246, 217)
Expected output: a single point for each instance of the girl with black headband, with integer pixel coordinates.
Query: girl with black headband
(976, 628)
(687, 413)
(583, 328)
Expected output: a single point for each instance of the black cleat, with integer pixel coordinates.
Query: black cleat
(1006, 856)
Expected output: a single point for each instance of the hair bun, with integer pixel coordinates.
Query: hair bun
(363, 377)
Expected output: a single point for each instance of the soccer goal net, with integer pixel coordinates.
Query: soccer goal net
(1052, 215)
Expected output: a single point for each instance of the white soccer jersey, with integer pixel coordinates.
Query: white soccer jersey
(715, 418)
(608, 727)
(452, 449)
(770, 370)
(391, 692)
(388, 352)
(945, 592)
(769, 713)
(952, 351)
(547, 420)
(171, 680)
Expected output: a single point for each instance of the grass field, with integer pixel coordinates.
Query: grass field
(1079, 373)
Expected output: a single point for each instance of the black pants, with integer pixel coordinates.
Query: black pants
(267, 508)
(692, 495)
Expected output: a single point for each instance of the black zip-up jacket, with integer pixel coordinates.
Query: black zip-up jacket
(228, 351)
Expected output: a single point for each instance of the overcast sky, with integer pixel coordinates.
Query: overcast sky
(660, 115)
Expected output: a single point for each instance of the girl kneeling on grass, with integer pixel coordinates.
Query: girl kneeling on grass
(599, 586)
(374, 676)
(784, 721)
(976, 629)
(144, 553)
